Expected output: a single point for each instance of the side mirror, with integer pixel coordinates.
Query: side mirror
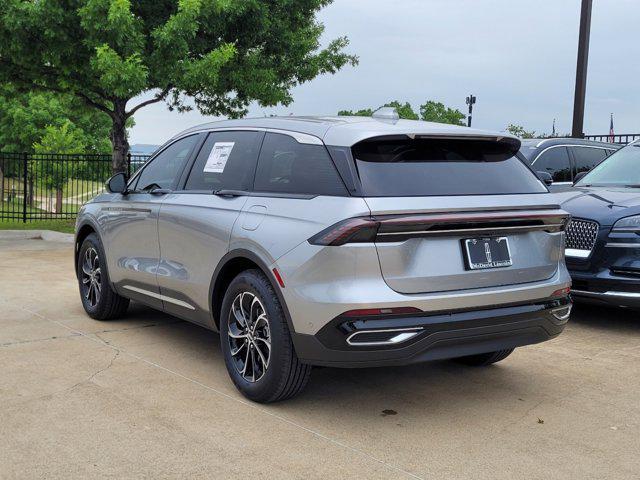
(545, 177)
(578, 177)
(117, 183)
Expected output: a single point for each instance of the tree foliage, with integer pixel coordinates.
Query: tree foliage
(223, 54)
(430, 111)
(25, 117)
(438, 112)
(519, 131)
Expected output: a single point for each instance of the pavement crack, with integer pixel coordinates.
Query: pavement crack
(96, 373)
(36, 340)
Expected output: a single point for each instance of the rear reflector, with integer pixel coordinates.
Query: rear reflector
(367, 312)
(276, 273)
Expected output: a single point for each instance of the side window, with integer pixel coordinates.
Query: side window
(556, 162)
(286, 166)
(587, 158)
(227, 160)
(163, 170)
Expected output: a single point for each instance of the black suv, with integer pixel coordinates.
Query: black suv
(564, 158)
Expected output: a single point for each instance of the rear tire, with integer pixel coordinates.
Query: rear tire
(484, 359)
(256, 342)
(99, 300)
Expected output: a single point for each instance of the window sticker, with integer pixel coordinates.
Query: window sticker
(218, 157)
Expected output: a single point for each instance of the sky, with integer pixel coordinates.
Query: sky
(518, 57)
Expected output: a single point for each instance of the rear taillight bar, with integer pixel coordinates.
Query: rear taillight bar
(395, 228)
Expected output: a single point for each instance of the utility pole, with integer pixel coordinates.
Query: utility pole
(470, 101)
(581, 69)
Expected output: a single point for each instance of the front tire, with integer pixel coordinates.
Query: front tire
(485, 359)
(99, 300)
(256, 342)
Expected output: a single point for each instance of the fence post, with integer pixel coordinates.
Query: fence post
(24, 189)
(129, 165)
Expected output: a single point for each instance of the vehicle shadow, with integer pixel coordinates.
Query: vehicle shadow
(441, 387)
(613, 319)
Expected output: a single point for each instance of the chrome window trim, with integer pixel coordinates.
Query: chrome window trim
(566, 146)
(299, 137)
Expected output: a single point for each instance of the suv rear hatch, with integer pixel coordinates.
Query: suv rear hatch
(456, 213)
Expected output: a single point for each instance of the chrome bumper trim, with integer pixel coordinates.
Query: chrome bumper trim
(403, 335)
(574, 252)
(608, 294)
(622, 245)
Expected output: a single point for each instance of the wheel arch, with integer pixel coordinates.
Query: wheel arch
(228, 268)
(82, 232)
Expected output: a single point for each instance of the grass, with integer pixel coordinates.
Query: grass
(58, 225)
(82, 190)
(15, 206)
(64, 226)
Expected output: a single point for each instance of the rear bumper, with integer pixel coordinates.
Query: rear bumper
(434, 336)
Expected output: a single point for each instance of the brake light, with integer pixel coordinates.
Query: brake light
(367, 312)
(561, 292)
(394, 228)
(361, 229)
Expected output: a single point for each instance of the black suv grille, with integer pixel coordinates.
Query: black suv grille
(581, 234)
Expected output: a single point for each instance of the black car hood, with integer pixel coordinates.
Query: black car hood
(606, 205)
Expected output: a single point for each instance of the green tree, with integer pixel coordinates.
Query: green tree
(365, 112)
(24, 118)
(519, 131)
(52, 169)
(223, 54)
(404, 110)
(437, 112)
(430, 111)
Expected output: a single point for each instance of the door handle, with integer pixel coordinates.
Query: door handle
(229, 193)
(160, 191)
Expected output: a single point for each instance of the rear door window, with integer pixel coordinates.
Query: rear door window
(555, 161)
(397, 167)
(227, 160)
(286, 166)
(586, 158)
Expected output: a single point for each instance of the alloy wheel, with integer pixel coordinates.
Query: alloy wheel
(91, 277)
(249, 336)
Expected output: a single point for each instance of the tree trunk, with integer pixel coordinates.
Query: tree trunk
(1, 186)
(118, 137)
(58, 200)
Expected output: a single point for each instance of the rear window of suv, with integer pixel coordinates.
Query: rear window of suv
(400, 167)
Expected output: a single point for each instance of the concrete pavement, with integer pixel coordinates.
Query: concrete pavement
(148, 397)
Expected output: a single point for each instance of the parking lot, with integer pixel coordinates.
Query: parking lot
(149, 397)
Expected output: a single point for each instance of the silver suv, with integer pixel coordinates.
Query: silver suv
(335, 241)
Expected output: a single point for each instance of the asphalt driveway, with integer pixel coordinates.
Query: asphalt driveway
(149, 397)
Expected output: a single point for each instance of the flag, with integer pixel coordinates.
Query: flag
(611, 133)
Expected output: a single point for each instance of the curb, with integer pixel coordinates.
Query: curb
(46, 235)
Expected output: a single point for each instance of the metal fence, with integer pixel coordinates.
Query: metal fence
(620, 138)
(52, 186)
